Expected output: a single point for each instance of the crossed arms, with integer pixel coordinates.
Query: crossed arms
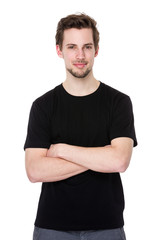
(62, 161)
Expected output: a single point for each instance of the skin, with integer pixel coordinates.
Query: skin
(62, 161)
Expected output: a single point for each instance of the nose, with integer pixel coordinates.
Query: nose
(80, 54)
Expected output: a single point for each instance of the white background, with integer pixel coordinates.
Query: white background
(129, 60)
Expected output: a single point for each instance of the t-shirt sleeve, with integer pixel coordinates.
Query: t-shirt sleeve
(122, 119)
(38, 133)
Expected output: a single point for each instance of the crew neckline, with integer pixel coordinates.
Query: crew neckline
(84, 96)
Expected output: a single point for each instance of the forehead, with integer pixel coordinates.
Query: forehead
(78, 36)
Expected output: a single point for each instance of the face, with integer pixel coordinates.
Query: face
(78, 51)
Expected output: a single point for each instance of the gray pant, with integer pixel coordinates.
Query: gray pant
(106, 234)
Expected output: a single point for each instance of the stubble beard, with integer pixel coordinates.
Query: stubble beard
(79, 75)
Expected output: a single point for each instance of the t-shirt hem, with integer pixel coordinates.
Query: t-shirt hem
(37, 145)
(81, 227)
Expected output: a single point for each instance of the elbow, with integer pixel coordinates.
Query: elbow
(32, 174)
(33, 162)
(118, 165)
(32, 177)
(122, 169)
(123, 164)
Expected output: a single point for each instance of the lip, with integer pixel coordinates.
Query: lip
(80, 65)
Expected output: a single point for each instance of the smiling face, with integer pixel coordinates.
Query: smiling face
(78, 51)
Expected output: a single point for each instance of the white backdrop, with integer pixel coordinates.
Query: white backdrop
(129, 60)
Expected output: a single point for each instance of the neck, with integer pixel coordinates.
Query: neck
(81, 86)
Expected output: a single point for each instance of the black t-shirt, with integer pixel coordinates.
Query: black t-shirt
(90, 200)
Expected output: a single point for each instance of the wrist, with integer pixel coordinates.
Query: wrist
(62, 150)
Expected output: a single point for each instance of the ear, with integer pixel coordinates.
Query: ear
(59, 52)
(96, 52)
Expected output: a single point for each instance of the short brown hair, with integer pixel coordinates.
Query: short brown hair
(78, 21)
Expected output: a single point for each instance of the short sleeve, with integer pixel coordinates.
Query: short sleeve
(122, 119)
(38, 133)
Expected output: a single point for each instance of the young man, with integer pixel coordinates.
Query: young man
(80, 137)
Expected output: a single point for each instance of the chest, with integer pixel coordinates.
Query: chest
(81, 123)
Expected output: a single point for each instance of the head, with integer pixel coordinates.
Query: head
(77, 41)
(78, 21)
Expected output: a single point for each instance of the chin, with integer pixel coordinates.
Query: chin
(79, 75)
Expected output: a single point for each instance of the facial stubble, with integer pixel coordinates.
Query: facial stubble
(79, 75)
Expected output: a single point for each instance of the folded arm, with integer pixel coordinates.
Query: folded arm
(62, 161)
(110, 158)
(42, 168)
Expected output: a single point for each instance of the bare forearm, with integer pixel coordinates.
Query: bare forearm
(101, 159)
(56, 169)
(48, 169)
(110, 158)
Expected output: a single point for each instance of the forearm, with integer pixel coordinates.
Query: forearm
(101, 159)
(48, 169)
(110, 158)
(56, 169)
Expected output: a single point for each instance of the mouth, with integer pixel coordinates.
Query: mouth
(80, 65)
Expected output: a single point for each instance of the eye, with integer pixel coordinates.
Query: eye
(88, 47)
(71, 47)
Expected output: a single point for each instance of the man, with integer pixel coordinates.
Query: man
(80, 137)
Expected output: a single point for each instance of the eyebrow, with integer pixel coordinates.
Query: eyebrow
(73, 44)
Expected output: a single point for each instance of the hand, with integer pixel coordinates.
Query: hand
(55, 150)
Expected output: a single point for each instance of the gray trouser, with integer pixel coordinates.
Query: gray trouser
(106, 234)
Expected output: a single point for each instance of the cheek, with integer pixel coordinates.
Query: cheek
(90, 56)
(69, 57)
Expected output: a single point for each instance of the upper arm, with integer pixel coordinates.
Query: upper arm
(38, 132)
(122, 120)
(32, 157)
(38, 137)
(123, 147)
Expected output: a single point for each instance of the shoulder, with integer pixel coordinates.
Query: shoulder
(114, 96)
(112, 92)
(48, 96)
(46, 102)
